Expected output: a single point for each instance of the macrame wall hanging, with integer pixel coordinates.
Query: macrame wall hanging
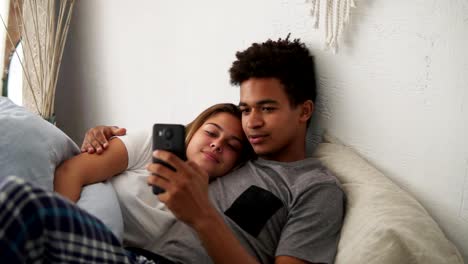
(336, 16)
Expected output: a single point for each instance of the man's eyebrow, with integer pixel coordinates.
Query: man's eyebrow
(261, 102)
(220, 128)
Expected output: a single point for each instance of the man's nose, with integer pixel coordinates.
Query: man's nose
(254, 119)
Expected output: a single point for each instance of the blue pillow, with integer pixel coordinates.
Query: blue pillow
(31, 148)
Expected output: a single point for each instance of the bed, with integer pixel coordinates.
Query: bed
(383, 223)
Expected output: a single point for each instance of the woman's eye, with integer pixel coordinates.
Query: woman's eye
(209, 133)
(234, 147)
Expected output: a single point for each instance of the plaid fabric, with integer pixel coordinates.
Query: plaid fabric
(37, 226)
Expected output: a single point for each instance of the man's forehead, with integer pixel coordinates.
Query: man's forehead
(258, 102)
(260, 91)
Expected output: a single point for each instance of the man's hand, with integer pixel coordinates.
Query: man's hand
(186, 192)
(96, 139)
(187, 197)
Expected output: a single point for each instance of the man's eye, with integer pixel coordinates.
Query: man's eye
(267, 109)
(245, 111)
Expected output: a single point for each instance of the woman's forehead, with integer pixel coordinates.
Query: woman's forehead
(226, 122)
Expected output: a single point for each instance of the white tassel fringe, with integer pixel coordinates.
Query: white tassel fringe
(336, 16)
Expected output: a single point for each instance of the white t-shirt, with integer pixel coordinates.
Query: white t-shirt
(146, 219)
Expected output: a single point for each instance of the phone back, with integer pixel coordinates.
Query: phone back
(169, 137)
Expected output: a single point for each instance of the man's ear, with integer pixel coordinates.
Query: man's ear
(307, 108)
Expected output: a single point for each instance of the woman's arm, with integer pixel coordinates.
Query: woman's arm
(86, 168)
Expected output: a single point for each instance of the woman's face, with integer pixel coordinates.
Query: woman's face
(217, 144)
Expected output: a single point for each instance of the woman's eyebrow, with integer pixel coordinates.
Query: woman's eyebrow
(221, 129)
(216, 125)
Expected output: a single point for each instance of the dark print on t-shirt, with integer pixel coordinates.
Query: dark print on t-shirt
(252, 209)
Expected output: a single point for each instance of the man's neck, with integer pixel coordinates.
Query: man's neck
(288, 154)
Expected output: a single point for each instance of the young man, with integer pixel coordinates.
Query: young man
(282, 207)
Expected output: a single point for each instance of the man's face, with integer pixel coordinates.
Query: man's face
(272, 126)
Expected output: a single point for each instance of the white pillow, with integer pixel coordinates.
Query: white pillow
(383, 223)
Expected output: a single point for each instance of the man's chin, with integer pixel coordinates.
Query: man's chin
(261, 150)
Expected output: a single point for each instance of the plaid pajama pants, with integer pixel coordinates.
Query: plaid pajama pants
(37, 226)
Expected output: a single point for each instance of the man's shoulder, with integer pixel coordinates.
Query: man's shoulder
(302, 174)
(308, 167)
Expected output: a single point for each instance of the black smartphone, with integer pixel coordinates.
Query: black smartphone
(169, 137)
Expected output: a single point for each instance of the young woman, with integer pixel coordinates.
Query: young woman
(217, 130)
(214, 141)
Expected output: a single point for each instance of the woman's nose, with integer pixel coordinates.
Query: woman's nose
(216, 146)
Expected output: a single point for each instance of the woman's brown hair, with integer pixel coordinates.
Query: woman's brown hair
(247, 151)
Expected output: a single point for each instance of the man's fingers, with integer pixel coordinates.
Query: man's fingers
(90, 143)
(100, 138)
(96, 146)
(158, 181)
(118, 131)
(169, 158)
(86, 147)
(160, 171)
(97, 138)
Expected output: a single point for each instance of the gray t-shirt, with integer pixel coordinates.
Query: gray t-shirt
(274, 209)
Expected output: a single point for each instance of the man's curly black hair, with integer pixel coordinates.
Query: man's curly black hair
(288, 61)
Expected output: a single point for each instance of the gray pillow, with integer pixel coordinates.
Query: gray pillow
(100, 200)
(31, 148)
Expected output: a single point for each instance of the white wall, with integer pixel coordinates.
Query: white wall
(396, 92)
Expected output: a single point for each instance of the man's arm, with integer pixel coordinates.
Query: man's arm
(187, 197)
(290, 260)
(213, 229)
(85, 169)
